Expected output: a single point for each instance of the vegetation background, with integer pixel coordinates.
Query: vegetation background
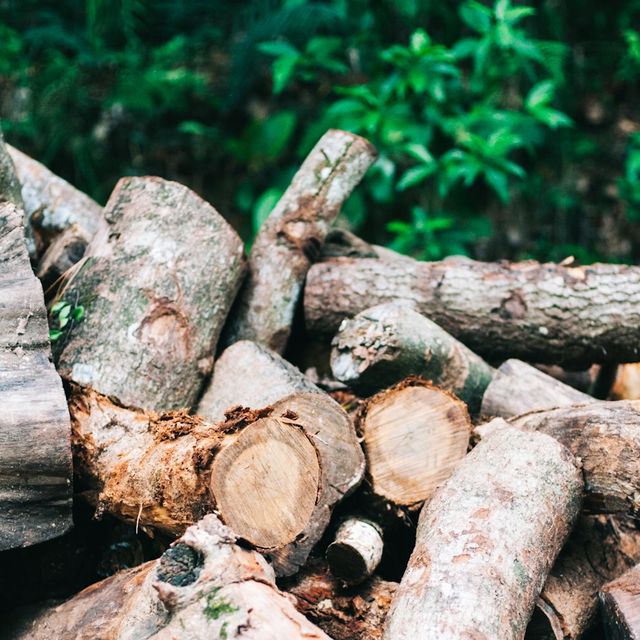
(505, 130)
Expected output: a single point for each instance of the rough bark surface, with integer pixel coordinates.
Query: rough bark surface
(620, 606)
(384, 344)
(291, 238)
(153, 311)
(204, 586)
(487, 540)
(35, 448)
(252, 376)
(537, 312)
(517, 388)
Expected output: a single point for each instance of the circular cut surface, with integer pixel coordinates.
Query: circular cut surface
(266, 482)
(413, 438)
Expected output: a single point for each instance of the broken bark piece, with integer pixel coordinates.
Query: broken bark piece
(386, 343)
(599, 549)
(290, 239)
(413, 435)
(252, 376)
(204, 586)
(152, 310)
(620, 606)
(356, 550)
(487, 540)
(352, 613)
(35, 447)
(502, 310)
(517, 388)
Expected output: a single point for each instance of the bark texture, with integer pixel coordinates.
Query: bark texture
(252, 376)
(204, 586)
(35, 448)
(517, 388)
(487, 540)
(153, 311)
(620, 606)
(291, 238)
(537, 312)
(384, 344)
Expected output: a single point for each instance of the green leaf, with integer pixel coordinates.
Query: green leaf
(283, 69)
(263, 207)
(419, 152)
(541, 93)
(415, 175)
(419, 41)
(78, 313)
(58, 306)
(476, 16)
(498, 181)
(278, 48)
(54, 334)
(64, 312)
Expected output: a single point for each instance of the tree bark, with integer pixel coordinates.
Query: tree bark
(291, 238)
(620, 606)
(518, 388)
(153, 309)
(204, 586)
(382, 345)
(537, 312)
(487, 540)
(35, 449)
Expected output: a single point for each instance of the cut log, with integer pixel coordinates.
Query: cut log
(204, 586)
(605, 436)
(538, 312)
(343, 613)
(382, 345)
(599, 549)
(627, 383)
(620, 606)
(291, 238)
(356, 550)
(517, 388)
(413, 435)
(35, 448)
(153, 309)
(252, 376)
(487, 540)
(273, 475)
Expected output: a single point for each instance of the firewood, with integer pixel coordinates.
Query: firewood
(382, 345)
(291, 238)
(343, 613)
(517, 388)
(153, 308)
(627, 383)
(487, 540)
(356, 550)
(273, 475)
(252, 376)
(35, 451)
(620, 606)
(499, 310)
(413, 436)
(204, 586)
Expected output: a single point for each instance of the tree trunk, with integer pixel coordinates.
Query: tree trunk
(153, 310)
(204, 586)
(487, 540)
(382, 345)
(537, 312)
(291, 238)
(35, 449)
(517, 388)
(620, 606)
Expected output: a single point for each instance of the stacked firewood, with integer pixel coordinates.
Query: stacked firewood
(313, 422)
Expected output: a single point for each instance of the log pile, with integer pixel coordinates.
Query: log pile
(431, 475)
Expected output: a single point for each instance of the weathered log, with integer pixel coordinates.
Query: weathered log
(413, 436)
(356, 550)
(537, 312)
(343, 613)
(487, 540)
(273, 475)
(599, 549)
(35, 449)
(153, 309)
(382, 345)
(517, 388)
(204, 586)
(627, 383)
(620, 606)
(291, 238)
(252, 376)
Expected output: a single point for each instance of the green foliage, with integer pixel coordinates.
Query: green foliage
(63, 316)
(629, 185)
